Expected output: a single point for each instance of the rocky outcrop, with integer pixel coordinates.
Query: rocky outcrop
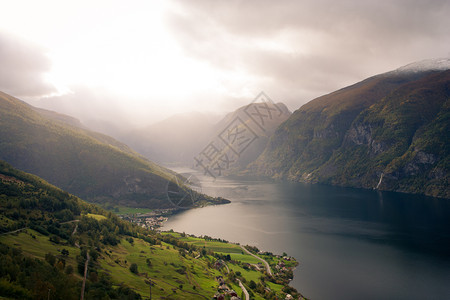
(419, 164)
(362, 134)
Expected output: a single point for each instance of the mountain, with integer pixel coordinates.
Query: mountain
(174, 140)
(240, 137)
(59, 117)
(88, 164)
(54, 245)
(389, 132)
(181, 138)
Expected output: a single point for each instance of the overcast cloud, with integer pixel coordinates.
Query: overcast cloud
(302, 49)
(22, 67)
(147, 60)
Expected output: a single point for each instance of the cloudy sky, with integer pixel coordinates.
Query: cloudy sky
(145, 60)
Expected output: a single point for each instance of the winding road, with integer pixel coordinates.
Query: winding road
(228, 270)
(85, 275)
(247, 296)
(20, 229)
(269, 271)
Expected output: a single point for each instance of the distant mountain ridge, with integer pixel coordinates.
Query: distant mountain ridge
(389, 132)
(174, 140)
(181, 137)
(240, 137)
(87, 164)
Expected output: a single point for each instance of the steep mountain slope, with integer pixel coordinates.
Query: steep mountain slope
(389, 132)
(87, 164)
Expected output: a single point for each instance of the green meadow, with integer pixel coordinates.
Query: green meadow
(174, 276)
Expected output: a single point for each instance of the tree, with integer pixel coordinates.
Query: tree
(252, 284)
(50, 258)
(134, 268)
(80, 264)
(93, 254)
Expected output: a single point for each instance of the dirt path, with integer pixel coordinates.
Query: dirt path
(83, 286)
(75, 230)
(269, 271)
(20, 229)
(247, 296)
(85, 275)
(76, 220)
(228, 270)
(17, 230)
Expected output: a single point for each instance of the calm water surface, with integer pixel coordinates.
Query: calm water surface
(351, 244)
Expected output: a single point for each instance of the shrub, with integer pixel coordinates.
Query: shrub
(134, 268)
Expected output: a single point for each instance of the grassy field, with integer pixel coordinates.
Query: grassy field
(172, 274)
(274, 286)
(175, 274)
(236, 254)
(234, 250)
(248, 274)
(34, 244)
(244, 257)
(215, 246)
(97, 217)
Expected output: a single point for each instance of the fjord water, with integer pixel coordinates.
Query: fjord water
(351, 243)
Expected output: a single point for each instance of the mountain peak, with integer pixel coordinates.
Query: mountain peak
(435, 64)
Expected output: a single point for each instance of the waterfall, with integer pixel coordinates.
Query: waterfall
(379, 182)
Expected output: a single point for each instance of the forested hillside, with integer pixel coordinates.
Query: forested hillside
(88, 164)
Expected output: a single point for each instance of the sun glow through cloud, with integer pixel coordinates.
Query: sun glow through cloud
(125, 49)
(134, 56)
(163, 57)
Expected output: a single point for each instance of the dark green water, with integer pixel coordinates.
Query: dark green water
(351, 244)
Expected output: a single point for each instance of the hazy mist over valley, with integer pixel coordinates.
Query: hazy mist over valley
(224, 150)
